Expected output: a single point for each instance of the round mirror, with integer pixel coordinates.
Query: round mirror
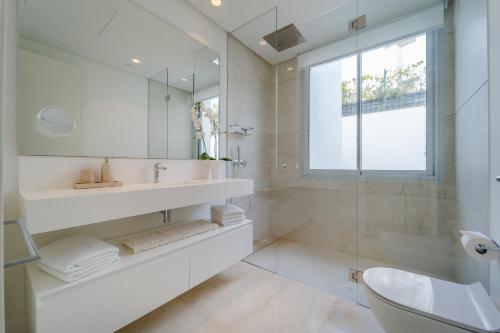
(54, 122)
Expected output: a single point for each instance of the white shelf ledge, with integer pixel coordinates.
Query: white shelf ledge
(44, 285)
(51, 210)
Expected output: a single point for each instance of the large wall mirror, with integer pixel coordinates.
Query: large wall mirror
(108, 78)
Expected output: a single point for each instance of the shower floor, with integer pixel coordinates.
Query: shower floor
(314, 266)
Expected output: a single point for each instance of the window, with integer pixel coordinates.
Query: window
(383, 124)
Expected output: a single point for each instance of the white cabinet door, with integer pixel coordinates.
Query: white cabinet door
(216, 254)
(111, 302)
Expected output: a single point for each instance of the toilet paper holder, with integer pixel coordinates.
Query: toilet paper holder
(483, 249)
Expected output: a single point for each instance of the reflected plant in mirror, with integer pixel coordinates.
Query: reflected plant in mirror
(200, 115)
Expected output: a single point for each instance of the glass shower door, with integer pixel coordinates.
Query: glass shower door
(406, 208)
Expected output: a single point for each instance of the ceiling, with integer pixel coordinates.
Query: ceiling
(112, 32)
(320, 21)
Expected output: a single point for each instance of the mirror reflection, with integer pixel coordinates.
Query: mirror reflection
(54, 122)
(108, 78)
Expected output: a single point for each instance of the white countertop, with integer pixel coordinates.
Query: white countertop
(65, 208)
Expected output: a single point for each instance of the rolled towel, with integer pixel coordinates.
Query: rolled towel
(226, 209)
(74, 253)
(154, 238)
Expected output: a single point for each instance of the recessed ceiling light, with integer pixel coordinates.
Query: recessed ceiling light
(216, 3)
(216, 61)
(262, 42)
(136, 61)
(289, 69)
(184, 79)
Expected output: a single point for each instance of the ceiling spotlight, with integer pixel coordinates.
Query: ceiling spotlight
(184, 79)
(262, 42)
(289, 69)
(216, 61)
(216, 3)
(136, 61)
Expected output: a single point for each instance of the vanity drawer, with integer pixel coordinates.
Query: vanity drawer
(218, 253)
(111, 302)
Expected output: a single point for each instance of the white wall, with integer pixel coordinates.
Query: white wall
(494, 86)
(13, 315)
(472, 128)
(2, 109)
(4, 78)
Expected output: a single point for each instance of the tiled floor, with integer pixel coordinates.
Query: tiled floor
(248, 299)
(314, 266)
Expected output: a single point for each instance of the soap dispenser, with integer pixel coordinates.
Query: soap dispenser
(106, 176)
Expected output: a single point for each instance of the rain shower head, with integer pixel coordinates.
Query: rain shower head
(285, 38)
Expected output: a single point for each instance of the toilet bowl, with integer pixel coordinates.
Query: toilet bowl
(405, 302)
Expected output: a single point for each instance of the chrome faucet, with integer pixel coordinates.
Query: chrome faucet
(238, 163)
(158, 167)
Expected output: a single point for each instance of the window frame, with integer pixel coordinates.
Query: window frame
(431, 76)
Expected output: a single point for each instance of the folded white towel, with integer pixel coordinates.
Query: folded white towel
(229, 221)
(226, 209)
(229, 216)
(71, 254)
(70, 277)
(228, 224)
(89, 265)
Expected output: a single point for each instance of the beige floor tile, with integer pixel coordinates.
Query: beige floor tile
(245, 299)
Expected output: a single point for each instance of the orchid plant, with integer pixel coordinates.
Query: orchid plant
(199, 111)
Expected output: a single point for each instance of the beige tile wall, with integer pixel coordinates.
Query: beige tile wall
(472, 128)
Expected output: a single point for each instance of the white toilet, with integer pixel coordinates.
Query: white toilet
(405, 302)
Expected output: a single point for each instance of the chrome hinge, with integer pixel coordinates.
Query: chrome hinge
(355, 275)
(357, 24)
(167, 98)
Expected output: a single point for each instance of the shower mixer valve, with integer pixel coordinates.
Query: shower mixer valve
(239, 162)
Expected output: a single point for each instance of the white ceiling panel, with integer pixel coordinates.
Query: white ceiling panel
(319, 21)
(234, 13)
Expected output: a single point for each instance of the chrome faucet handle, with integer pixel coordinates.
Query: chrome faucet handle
(160, 167)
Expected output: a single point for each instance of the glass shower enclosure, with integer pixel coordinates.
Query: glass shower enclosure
(363, 166)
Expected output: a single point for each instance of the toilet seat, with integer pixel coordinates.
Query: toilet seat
(465, 306)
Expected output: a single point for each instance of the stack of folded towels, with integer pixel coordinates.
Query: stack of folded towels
(75, 257)
(226, 215)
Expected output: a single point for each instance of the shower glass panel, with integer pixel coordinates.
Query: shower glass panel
(311, 217)
(252, 126)
(406, 206)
